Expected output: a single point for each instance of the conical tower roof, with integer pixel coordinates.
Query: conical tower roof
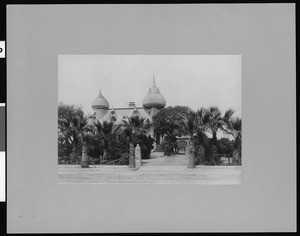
(100, 102)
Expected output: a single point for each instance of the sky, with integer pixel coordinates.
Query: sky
(186, 80)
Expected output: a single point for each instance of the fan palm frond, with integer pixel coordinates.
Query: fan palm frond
(228, 114)
(213, 109)
(98, 126)
(237, 124)
(107, 127)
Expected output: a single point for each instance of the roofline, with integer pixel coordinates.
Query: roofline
(95, 107)
(126, 108)
(147, 106)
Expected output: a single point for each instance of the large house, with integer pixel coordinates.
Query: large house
(152, 103)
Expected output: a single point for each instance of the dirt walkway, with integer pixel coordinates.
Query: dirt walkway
(158, 170)
(158, 159)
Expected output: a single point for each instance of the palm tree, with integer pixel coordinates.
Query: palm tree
(194, 122)
(133, 127)
(213, 122)
(104, 131)
(227, 116)
(170, 142)
(234, 128)
(212, 119)
(81, 133)
(194, 125)
(201, 146)
(67, 135)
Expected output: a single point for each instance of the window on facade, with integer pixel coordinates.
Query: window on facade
(113, 119)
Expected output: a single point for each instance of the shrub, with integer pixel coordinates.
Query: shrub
(237, 152)
(225, 146)
(95, 149)
(146, 144)
(63, 160)
(169, 145)
(64, 148)
(200, 155)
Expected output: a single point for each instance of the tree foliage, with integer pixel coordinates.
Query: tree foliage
(168, 122)
(132, 129)
(69, 148)
(66, 113)
(225, 146)
(214, 120)
(83, 143)
(210, 120)
(169, 119)
(146, 144)
(104, 133)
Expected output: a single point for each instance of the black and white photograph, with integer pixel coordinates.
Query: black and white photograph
(149, 119)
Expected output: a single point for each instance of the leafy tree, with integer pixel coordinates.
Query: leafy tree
(67, 112)
(146, 144)
(170, 143)
(168, 122)
(169, 119)
(133, 127)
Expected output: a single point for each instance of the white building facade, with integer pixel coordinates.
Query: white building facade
(152, 103)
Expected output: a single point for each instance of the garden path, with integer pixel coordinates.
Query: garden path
(158, 169)
(158, 159)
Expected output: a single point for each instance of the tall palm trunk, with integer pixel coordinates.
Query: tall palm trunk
(214, 158)
(214, 138)
(201, 155)
(131, 156)
(72, 155)
(105, 150)
(84, 157)
(103, 157)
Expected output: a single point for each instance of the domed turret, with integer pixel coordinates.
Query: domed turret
(154, 98)
(100, 105)
(100, 102)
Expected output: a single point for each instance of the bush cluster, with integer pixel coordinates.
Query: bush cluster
(117, 148)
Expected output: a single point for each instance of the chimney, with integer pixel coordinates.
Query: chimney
(132, 104)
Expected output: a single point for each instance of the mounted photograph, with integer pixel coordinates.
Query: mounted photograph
(149, 119)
